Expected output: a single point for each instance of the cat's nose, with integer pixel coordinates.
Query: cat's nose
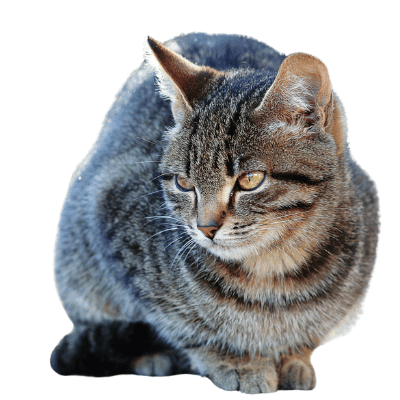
(209, 230)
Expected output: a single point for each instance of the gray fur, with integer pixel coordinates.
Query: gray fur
(128, 248)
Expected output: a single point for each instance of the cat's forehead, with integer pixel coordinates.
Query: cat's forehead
(218, 144)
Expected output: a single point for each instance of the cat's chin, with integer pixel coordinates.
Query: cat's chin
(236, 252)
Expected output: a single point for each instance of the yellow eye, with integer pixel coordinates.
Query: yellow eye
(183, 184)
(251, 180)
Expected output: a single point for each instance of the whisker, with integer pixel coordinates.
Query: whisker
(179, 237)
(162, 216)
(158, 233)
(187, 244)
(166, 223)
(169, 224)
(143, 162)
(283, 221)
(153, 179)
(190, 249)
(297, 250)
(269, 224)
(269, 229)
(331, 236)
(298, 228)
(334, 227)
(148, 194)
(149, 141)
(283, 251)
(290, 215)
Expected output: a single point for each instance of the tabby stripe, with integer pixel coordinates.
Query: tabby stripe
(191, 153)
(298, 178)
(231, 132)
(296, 206)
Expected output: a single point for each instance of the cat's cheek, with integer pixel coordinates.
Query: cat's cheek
(182, 204)
(168, 204)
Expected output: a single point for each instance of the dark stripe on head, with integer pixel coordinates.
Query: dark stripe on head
(192, 156)
(298, 178)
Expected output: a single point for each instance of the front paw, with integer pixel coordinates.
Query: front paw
(247, 379)
(297, 374)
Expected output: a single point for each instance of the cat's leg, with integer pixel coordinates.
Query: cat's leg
(115, 348)
(229, 372)
(296, 371)
(101, 349)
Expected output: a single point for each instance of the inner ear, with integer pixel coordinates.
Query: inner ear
(179, 79)
(301, 92)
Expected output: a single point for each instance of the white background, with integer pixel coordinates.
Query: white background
(62, 63)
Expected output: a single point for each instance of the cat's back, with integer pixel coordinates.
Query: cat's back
(225, 52)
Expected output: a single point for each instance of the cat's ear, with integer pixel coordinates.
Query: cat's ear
(301, 93)
(180, 80)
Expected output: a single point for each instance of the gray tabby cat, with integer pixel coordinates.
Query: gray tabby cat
(228, 238)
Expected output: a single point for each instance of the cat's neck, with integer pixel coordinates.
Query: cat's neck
(275, 262)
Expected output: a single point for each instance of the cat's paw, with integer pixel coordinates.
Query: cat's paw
(159, 364)
(297, 374)
(246, 379)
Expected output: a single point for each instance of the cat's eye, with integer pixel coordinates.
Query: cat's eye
(183, 184)
(251, 180)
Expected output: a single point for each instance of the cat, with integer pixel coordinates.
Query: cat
(219, 226)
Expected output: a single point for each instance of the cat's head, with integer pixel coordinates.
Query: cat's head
(250, 165)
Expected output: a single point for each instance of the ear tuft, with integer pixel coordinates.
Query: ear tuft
(166, 85)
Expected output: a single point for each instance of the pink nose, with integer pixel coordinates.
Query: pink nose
(209, 231)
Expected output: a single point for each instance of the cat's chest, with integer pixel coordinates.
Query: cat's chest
(254, 318)
(252, 327)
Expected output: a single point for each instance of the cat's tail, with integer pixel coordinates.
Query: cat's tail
(116, 348)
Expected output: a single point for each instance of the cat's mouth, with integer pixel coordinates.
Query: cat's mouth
(227, 248)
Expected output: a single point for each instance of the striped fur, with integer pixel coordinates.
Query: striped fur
(290, 260)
